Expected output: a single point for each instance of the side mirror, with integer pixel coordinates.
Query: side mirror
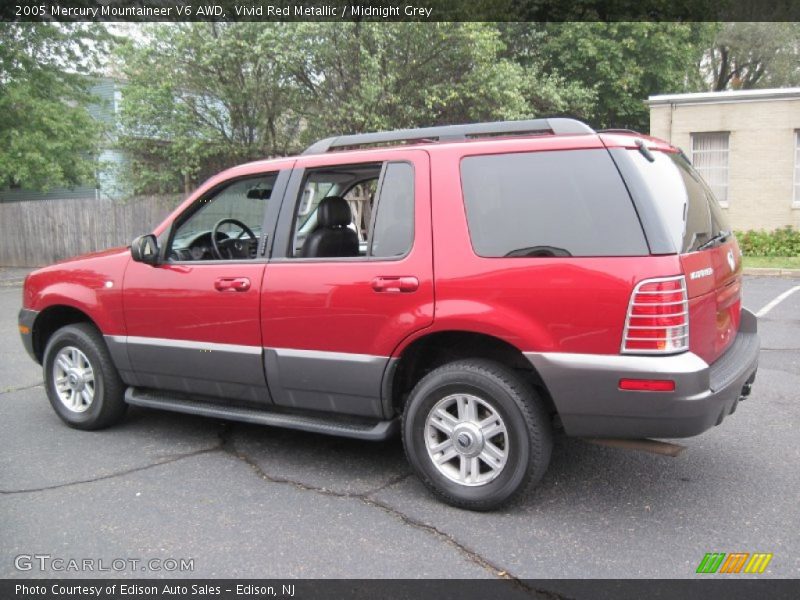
(144, 249)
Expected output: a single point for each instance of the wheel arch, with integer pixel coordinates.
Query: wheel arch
(50, 320)
(434, 349)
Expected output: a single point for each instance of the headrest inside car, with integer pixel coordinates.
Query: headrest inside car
(333, 211)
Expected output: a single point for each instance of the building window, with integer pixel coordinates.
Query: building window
(710, 158)
(796, 197)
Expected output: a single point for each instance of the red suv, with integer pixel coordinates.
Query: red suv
(479, 286)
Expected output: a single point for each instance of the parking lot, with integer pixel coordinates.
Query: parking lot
(248, 501)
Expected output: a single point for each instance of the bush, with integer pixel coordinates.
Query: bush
(781, 242)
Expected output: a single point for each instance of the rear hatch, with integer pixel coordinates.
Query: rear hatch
(709, 255)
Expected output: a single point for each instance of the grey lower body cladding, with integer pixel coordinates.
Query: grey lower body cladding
(26, 319)
(227, 371)
(585, 389)
(336, 382)
(303, 380)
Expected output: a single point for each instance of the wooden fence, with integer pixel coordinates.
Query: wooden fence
(39, 232)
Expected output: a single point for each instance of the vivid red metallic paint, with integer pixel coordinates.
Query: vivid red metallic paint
(331, 305)
(535, 304)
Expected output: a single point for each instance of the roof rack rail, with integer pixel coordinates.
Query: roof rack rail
(453, 133)
(619, 130)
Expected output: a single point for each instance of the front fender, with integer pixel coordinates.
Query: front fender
(92, 285)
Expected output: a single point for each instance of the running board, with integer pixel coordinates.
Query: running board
(373, 431)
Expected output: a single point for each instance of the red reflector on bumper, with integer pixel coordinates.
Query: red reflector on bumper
(647, 385)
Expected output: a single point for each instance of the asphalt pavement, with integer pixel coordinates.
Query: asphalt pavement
(247, 501)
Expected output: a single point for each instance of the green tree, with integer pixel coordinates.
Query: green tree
(202, 96)
(619, 63)
(753, 55)
(371, 76)
(47, 137)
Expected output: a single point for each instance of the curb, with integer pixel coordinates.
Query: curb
(772, 272)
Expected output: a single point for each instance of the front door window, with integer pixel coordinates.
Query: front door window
(226, 225)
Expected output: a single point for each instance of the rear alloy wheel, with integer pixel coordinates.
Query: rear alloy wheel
(82, 383)
(466, 439)
(477, 434)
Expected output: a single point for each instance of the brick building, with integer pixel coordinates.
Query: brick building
(746, 144)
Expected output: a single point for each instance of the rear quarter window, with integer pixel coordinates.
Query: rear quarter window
(549, 204)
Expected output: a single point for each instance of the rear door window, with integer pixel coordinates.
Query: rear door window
(380, 197)
(683, 199)
(394, 224)
(549, 204)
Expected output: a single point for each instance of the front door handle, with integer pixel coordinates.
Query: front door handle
(395, 284)
(232, 284)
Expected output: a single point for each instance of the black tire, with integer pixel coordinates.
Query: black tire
(108, 405)
(527, 424)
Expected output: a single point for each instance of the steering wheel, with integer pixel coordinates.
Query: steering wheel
(232, 247)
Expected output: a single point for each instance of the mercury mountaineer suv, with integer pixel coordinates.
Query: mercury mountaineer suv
(475, 286)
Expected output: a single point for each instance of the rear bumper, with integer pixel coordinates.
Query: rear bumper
(25, 320)
(585, 389)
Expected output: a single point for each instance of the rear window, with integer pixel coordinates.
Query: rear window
(549, 204)
(685, 202)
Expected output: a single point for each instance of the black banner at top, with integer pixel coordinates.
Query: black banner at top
(400, 10)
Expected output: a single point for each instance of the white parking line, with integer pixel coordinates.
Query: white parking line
(777, 300)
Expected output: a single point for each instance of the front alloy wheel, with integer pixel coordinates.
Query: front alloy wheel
(83, 385)
(74, 379)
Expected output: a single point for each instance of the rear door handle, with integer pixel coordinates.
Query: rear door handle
(395, 285)
(232, 284)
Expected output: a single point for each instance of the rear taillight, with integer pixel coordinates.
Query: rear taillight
(658, 317)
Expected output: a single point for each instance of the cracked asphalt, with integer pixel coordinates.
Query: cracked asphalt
(255, 502)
